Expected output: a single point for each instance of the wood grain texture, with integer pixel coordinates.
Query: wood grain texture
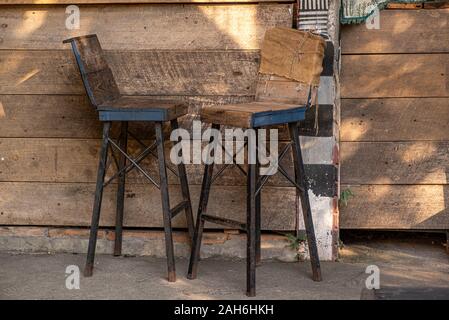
(412, 31)
(71, 116)
(71, 205)
(136, 72)
(76, 161)
(424, 162)
(399, 75)
(145, 27)
(396, 207)
(395, 119)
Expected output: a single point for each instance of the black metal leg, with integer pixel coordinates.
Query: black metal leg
(165, 203)
(202, 208)
(258, 214)
(185, 190)
(251, 232)
(123, 143)
(97, 202)
(305, 203)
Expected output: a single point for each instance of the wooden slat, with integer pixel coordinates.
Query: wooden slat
(396, 207)
(71, 205)
(144, 27)
(76, 160)
(136, 72)
(424, 162)
(412, 31)
(401, 119)
(399, 75)
(48, 116)
(7, 2)
(71, 116)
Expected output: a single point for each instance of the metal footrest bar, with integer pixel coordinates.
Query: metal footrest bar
(225, 222)
(264, 179)
(152, 153)
(228, 164)
(131, 166)
(178, 208)
(134, 163)
(285, 174)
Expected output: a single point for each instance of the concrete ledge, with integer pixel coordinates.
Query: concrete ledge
(229, 244)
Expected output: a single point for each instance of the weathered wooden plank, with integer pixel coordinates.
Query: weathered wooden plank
(420, 162)
(145, 27)
(398, 75)
(395, 119)
(412, 31)
(76, 160)
(48, 116)
(136, 72)
(71, 205)
(72, 116)
(8, 2)
(396, 207)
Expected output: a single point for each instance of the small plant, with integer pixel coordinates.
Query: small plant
(345, 195)
(295, 242)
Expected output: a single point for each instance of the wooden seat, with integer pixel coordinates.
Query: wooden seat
(278, 100)
(253, 114)
(104, 95)
(140, 108)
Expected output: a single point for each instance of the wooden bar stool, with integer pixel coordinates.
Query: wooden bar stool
(279, 101)
(104, 95)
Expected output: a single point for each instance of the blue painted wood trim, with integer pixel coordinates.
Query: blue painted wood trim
(272, 117)
(133, 115)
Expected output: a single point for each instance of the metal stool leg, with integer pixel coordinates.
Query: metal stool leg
(123, 143)
(252, 232)
(185, 191)
(165, 203)
(88, 270)
(258, 214)
(202, 207)
(305, 203)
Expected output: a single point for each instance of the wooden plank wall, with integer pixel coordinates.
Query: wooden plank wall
(395, 119)
(49, 135)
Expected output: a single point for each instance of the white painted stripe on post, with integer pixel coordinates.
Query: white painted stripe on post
(317, 150)
(322, 208)
(326, 90)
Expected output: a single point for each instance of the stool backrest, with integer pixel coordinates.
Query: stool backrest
(291, 66)
(97, 77)
(283, 90)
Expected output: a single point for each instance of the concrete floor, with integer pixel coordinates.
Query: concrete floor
(42, 276)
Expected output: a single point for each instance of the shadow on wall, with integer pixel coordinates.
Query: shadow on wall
(394, 141)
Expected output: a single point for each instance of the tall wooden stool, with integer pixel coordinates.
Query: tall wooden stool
(104, 95)
(279, 101)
